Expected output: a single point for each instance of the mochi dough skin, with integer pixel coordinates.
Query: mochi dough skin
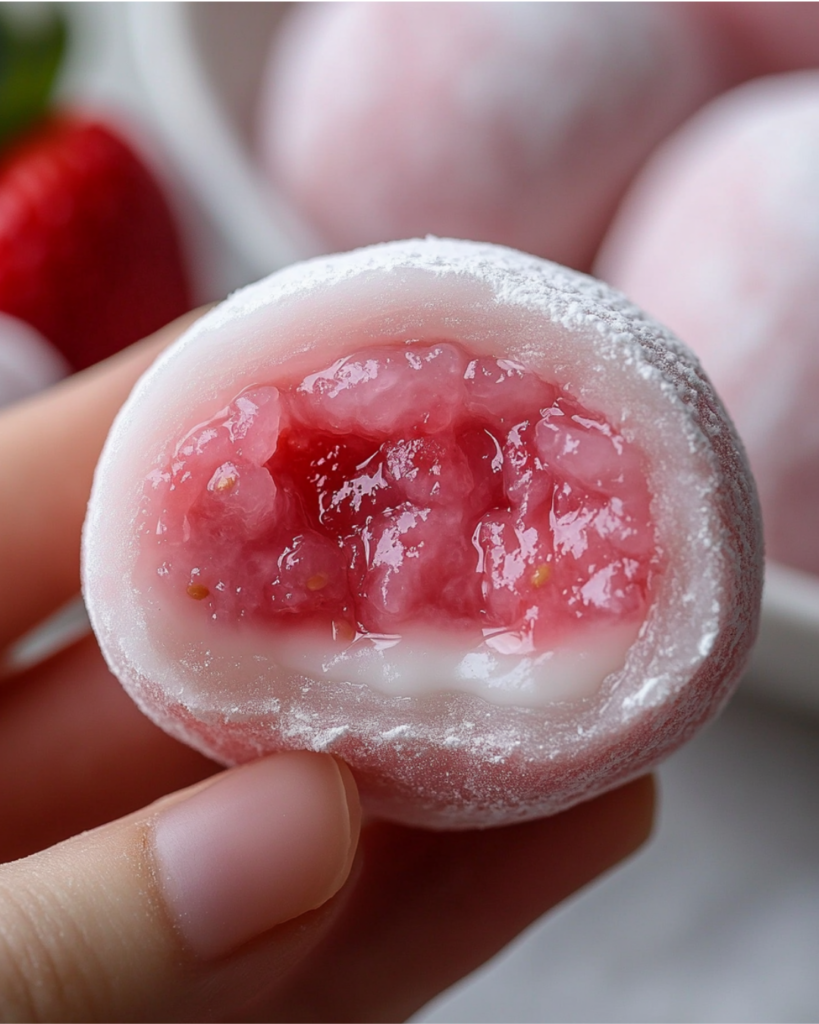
(441, 728)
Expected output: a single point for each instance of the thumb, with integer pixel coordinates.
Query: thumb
(150, 917)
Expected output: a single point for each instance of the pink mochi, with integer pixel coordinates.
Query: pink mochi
(464, 518)
(719, 239)
(519, 124)
(28, 363)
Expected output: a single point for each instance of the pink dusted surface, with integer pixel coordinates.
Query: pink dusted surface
(719, 239)
(405, 486)
(444, 758)
(519, 124)
(483, 782)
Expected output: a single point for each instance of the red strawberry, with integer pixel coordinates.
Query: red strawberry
(89, 253)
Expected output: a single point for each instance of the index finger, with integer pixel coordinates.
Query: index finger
(49, 447)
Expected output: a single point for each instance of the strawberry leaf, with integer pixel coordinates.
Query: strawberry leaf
(30, 56)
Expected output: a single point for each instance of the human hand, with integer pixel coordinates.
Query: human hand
(226, 899)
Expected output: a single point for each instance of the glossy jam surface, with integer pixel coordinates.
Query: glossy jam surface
(404, 486)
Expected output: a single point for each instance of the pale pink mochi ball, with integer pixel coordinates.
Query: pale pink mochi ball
(513, 123)
(28, 363)
(464, 518)
(719, 239)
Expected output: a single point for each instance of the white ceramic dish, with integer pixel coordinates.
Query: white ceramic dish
(785, 662)
(200, 66)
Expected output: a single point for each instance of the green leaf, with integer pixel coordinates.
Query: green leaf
(30, 55)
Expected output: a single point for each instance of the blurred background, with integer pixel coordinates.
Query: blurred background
(250, 135)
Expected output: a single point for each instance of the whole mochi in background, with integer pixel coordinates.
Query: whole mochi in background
(28, 363)
(441, 727)
(719, 239)
(513, 123)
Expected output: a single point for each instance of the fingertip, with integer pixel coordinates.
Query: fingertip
(645, 794)
(258, 846)
(353, 802)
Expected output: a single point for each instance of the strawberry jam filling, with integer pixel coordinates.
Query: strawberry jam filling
(406, 486)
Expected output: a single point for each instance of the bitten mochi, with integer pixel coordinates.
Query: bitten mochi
(719, 239)
(464, 518)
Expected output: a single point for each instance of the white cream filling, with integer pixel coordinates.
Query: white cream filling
(426, 662)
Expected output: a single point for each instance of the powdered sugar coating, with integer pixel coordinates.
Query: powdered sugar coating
(720, 240)
(448, 760)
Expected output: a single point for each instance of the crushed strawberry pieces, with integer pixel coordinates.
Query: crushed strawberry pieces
(406, 484)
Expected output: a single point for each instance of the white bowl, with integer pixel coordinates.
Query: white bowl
(785, 662)
(201, 65)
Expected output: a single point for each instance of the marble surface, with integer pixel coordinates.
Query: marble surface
(716, 920)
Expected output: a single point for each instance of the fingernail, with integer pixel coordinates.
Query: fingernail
(260, 845)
